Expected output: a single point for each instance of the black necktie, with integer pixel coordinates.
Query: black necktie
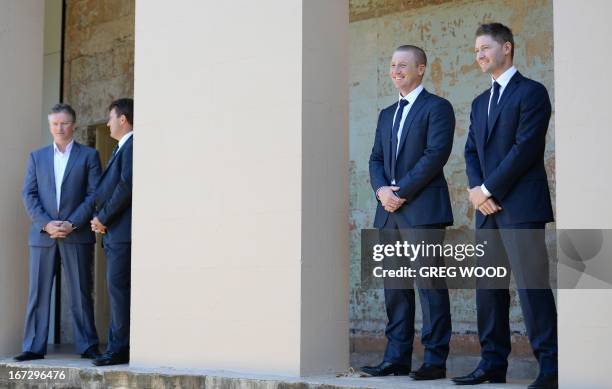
(493, 106)
(113, 155)
(394, 131)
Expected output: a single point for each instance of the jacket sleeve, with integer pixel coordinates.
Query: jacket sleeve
(529, 144)
(440, 133)
(377, 160)
(82, 215)
(121, 196)
(31, 199)
(472, 162)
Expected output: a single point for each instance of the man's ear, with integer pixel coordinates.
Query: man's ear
(421, 69)
(507, 48)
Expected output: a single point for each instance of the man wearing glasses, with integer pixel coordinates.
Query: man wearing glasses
(58, 195)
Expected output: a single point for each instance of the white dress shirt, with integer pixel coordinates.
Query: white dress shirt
(503, 81)
(411, 98)
(60, 161)
(124, 139)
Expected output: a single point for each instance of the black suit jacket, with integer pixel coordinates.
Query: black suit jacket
(509, 159)
(424, 148)
(113, 196)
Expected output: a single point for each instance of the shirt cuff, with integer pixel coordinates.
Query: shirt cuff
(485, 190)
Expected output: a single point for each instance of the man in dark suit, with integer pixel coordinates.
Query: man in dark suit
(57, 193)
(113, 219)
(412, 144)
(504, 157)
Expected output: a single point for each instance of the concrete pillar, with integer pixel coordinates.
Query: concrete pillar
(583, 159)
(240, 207)
(21, 45)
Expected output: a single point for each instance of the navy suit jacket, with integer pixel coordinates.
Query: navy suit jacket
(78, 186)
(510, 160)
(113, 197)
(424, 148)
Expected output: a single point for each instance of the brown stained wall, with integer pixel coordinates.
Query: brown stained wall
(98, 58)
(370, 9)
(445, 30)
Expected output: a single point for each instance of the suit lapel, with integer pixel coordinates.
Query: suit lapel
(74, 155)
(386, 136)
(114, 157)
(483, 118)
(50, 163)
(510, 88)
(416, 107)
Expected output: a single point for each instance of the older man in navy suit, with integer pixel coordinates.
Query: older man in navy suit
(58, 193)
(113, 219)
(412, 144)
(504, 156)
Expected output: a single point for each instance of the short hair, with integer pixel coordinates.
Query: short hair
(419, 54)
(63, 108)
(123, 107)
(500, 33)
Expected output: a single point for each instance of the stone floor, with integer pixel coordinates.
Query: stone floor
(79, 373)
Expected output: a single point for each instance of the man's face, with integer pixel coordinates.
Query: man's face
(491, 56)
(404, 72)
(114, 124)
(61, 126)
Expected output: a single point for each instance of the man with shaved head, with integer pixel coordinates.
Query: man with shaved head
(413, 142)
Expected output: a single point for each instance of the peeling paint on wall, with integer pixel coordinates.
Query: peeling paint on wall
(445, 30)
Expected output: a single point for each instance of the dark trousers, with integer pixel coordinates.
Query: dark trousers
(118, 279)
(77, 262)
(400, 307)
(524, 252)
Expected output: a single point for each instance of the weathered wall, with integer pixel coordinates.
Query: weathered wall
(445, 30)
(98, 58)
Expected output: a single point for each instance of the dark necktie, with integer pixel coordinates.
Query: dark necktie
(112, 155)
(394, 131)
(493, 106)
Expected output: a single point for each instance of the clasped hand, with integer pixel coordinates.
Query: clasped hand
(97, 226)
(58, 229)
(480, 201)
(389, 200)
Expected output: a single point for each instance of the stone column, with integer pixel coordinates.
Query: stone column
(21, 82)
(583, 140)
(240, 226)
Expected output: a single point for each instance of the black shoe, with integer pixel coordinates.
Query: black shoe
(480, 376)
(91, 353)
(112, 359)
(386, 368)
(28, 356)
(545, 381)
(428, 372)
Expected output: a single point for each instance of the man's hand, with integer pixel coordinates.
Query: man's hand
(477, 196)
(55, 230)
(489, 207)
(390, 201)
(66, 227)
(97, 226)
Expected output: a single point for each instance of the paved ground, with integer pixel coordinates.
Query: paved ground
(80, 373)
